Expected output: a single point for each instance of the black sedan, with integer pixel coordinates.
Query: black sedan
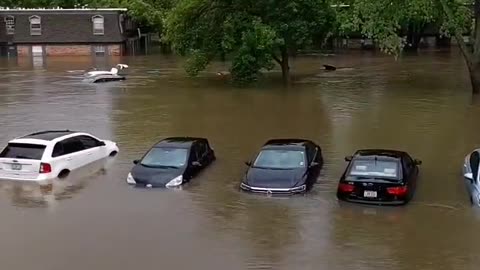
(377, 176)
(171, 162)
(284, 166)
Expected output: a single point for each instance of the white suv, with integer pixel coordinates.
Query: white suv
(50, 154)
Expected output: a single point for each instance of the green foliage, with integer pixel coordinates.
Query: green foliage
(382, 20)
(252, 33)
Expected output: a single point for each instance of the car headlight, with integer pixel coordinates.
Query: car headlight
(300, 188)
(130, 179)
(177, 181)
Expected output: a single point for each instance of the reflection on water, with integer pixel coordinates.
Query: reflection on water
(418, 104)
(46, 194)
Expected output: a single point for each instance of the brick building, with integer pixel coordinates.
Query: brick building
(57, 32)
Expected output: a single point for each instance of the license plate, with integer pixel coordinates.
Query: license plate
(16, 167)
(369, 194)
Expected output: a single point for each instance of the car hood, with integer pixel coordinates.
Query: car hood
(268, 178)
(157, 177)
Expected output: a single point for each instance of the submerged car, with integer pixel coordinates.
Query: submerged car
(471, 168)
(172, 162)
(284, 166)
(377, 176)
(50, 154)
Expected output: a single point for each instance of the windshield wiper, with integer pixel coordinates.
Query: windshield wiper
(24, 157)
(160, 166)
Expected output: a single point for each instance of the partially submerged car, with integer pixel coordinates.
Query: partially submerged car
(471, 168)
(284, 166)
(378, 176)
(172, 162)
(50, 154)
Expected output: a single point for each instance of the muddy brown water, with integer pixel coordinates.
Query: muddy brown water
(94, 220)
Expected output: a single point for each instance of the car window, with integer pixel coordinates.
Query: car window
(194, 153)
(202, 149)
(318, 156)
(58, 150)
(474, 164)
(88, 142)
(72, 145)
(280, 159)
(310, 153)
(23, 151)
(407, 165)
(373, 168)
(165, 157)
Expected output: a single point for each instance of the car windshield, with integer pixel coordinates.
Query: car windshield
(280, 159)
(23, 151)
(165, 157)
(373, 168)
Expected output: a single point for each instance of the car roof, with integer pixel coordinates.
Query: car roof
(180, 142)
(380, 152)
(48, 135)
(286, 143)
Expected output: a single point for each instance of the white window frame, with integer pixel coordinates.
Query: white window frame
(98, 25)
(10, 25)
(99, 49)
(35, 20)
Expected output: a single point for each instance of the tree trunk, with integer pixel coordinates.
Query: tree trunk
(474, 71)
(472, 57)
(285, 67)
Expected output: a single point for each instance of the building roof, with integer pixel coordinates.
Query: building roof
(64, 26)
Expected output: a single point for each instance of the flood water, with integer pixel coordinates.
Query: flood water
(94, 220)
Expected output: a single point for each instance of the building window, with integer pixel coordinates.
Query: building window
(99, 50)
(35, 26)
(10, 25)
(98, 25)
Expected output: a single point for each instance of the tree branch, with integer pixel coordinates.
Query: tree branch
(276, 59)
(458, 35)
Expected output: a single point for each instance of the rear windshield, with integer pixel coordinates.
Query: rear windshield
(374, 168)
(23, 151)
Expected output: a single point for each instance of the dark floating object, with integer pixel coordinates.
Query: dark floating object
(330, 68)
(108, 78)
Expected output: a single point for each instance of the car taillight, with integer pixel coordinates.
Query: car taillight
(346, 188)
(397, 191)
(45, 168)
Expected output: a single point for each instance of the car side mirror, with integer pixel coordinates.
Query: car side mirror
(469, 176)
(248, 163)
(348, 158)
(136, 161)
(196, 164)
(417, 162)
(101, 143)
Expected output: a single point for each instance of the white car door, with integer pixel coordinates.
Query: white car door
(75, 154)
(94, 148)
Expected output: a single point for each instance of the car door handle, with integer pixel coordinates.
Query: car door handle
(89, 154)
(69, 159)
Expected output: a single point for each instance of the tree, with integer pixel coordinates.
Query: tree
(382, 21)
(459, 15)
(254, 34)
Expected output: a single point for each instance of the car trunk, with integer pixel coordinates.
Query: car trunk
(376, 190)
(21, 161)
